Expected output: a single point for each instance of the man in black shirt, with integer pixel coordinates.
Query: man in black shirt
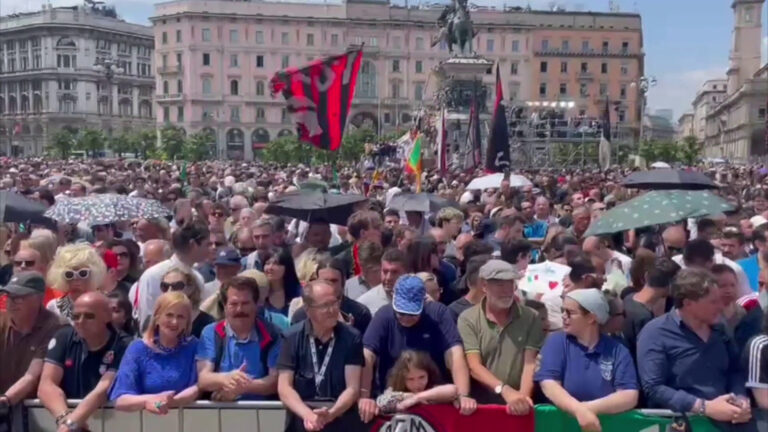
(320, 364)
(81, 363)
(476, 293)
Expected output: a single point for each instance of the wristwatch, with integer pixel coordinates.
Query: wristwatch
(499, 388)
(71, 425)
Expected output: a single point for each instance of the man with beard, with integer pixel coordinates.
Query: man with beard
(501, 340)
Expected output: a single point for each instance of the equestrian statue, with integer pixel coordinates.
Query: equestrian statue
(456, 28)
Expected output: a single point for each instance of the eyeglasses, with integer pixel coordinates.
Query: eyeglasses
(176, 286)
(24, 263)
(79, 274)
(217, 214)
(326, 307)
(123, 255)
(87, 316)
(568, 313)
(17, 299)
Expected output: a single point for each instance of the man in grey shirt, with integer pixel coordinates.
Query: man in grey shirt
(394, 264)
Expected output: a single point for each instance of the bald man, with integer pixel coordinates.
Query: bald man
(674, 238)
(81, 363)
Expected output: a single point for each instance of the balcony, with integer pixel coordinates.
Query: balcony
(172, 97)
(168, 70)
(616, 53)
(586, 76)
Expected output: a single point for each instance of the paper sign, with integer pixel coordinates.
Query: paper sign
(544, 278)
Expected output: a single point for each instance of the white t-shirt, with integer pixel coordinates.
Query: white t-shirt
(374, 299)
(741, 277)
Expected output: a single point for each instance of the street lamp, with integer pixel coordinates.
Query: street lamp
(643, 84)
(108, 68)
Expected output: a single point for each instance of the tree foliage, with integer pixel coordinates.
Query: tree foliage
(197, 147)
(288, 149)
(121, 144)
(172, 141)
(62, 144)
(91, 141)
(687, 151)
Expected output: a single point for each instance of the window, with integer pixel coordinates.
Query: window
(585, 46)
(206, 35)
(545, 44)
(419, 43)
(625, 47)
(564, 67)
(761, 113)
(167, 114)
(234, 114)
(489, 45)
(207, 113)
(543, 90)
(395, 90)
(284, 38)
(179, 86)
(259, 88)
(179, 114)
(37, 61)
(584, 67)
(566, 45)
(166, 88)
(583, 90)
(206, 86)
(624, 68)
(623, 91)
(334, 40)
(164, 60)
(395, 65)
(234, 87)
(374, 41)
(603, 68)
(259, 113)
(513, 68)
(178, 59)
(178, 36)
(259, 37)
(206, 59)
(285, 61)
(606, 47)
(543, 67)
(419, 66)
(284, 118)
(233, 61)
(515, 46)
(310, 39)
(563, 89)
(622, 116)
(165, 38)
(259, 61)
(603, 89)
(748, 12)
(418, 91)
(396, 42)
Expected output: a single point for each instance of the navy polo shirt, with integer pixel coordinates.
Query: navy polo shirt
(587, 375)
(434, 333)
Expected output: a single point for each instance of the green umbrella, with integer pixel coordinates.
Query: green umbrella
(658, 207)
(314, 185)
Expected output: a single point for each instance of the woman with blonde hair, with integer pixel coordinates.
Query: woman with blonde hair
(76, 269)
(158, 371)
(182, 280)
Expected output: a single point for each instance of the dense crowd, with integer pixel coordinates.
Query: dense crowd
(227, 300)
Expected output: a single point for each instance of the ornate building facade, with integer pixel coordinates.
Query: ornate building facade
(215, 59)
(50, 76)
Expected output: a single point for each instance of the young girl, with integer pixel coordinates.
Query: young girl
(412, 381)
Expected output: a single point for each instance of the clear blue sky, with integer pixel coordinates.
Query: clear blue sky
(686, 41)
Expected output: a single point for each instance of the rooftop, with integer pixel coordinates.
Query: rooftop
(73, 16)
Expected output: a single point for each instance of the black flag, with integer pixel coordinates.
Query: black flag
(497, 152)
(604, 150)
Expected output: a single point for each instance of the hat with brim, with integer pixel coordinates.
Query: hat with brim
(410, 294)
(25, 283)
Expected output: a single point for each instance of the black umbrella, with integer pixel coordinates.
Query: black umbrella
(666, 179)
(312, 205)
(420, 202)
(20, 209)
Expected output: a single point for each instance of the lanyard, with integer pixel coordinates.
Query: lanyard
(320, 373)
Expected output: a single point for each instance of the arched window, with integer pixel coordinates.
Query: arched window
(367, 80)
(259, 113)
(234, 88)
(125, 107)
(284, 132)
(66, 42)
(37, 103)
(12, 105)
(259, 136)
(24, 103)
(2, 105)
(259, 88)
(206, 86)
(235, 144)
(145, 109)
(166, 87)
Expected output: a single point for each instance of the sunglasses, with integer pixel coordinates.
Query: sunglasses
(218, 214)
(79, 274)
(568, 313)
(176, 286)
(88, 316)
(24, 263)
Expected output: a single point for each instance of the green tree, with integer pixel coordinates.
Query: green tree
(144, 143)
(172, 141)
(286, 149)
(353, 144)
(197, 146)
(91, 141)
(62, 144)
(121, 144)
(653, 151)
(689, 150)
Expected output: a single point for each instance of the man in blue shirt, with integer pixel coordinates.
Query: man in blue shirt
(237, 357)
(410, 323)
(688, 362)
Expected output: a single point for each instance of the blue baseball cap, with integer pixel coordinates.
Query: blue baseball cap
(227, 256)
(409, 296)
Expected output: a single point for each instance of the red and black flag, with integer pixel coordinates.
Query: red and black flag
(497, 153)
(319, 96)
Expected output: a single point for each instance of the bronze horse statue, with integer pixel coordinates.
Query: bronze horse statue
(456, 28)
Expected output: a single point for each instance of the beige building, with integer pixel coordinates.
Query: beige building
(215, 59)
(711, 94)
(48, 79)
(735, 128)
(685, 126)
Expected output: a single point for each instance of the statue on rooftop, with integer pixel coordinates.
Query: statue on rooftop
(456, 28)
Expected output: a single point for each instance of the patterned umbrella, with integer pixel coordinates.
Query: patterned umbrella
(658, 207)
(105, 208)
(420, 202)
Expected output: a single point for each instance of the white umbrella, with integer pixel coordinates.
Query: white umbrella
(660, 165)
(494, 181)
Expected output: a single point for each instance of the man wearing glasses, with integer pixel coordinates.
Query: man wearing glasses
(25, 331)
(81, 363)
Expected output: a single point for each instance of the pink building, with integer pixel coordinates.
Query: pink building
(215, 58)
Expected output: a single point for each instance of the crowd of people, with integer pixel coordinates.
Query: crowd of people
(228, 301)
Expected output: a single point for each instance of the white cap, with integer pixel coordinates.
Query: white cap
(758, 220)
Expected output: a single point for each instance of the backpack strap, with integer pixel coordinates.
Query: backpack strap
(219, 338)
(268, 336)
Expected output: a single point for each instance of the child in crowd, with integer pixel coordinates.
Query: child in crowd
(413, 380)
